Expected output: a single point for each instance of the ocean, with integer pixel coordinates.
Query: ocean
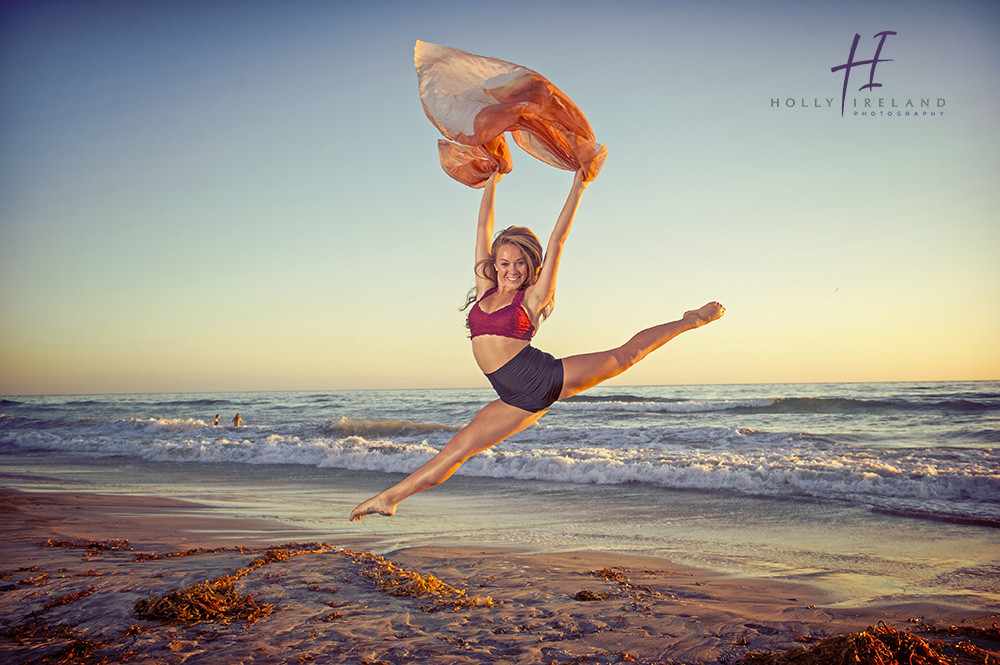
(880, 490)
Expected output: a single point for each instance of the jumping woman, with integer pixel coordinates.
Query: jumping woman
(515, 285)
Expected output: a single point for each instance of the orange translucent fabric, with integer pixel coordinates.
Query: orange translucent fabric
(474, 100)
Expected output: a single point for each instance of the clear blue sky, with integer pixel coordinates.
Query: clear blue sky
(246, 195)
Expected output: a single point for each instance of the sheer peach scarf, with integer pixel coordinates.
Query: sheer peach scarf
(474, 100)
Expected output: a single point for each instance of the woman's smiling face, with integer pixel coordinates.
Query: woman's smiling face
(512, 267)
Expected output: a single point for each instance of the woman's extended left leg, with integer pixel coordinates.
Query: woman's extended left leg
(494, 423)
(587, 370)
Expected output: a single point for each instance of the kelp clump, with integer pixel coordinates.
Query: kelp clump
(217, 600)
(214, 600)
(391, 579)
(587, 595)
(92, 546)
(879, 645)
(624, 583)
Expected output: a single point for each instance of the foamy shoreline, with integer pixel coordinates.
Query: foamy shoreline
(326, 609)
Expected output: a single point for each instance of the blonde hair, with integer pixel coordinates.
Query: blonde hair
(524, 239)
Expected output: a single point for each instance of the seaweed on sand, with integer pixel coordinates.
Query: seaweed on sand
(92, 546)
(625, 584)
(391, 579)
(214, 600)
(69, 598)
(78, 651)
(217, 599)
(587, 595)
(878, 645)
(991, 634)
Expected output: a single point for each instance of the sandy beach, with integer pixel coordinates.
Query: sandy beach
(71, 585)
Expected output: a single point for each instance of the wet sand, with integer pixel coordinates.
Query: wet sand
(62, 599)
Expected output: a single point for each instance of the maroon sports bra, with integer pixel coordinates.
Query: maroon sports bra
(510, 321)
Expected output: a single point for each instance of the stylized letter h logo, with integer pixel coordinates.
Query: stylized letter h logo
(851, 63)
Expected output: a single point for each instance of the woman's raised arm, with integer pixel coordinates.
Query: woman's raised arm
(541, 293)
(484, 231)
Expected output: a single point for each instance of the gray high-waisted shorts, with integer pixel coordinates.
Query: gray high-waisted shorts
(531, 380)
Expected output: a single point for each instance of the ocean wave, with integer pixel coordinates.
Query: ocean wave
(964, 512)
(12, 421)
(641, 405)
(369, 427)
(929, 453)
(623, 398)
(965, 405)
(984, 435)
(741, 460)
(139, 429)
(926, 453)
(82, 402)
(777, 405)
(211, 402)
(161, 425)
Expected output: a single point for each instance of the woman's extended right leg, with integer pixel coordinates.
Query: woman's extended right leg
(494, 423)
(587, 370)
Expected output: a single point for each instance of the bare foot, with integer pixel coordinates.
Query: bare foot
(374, 505)
(705, 314)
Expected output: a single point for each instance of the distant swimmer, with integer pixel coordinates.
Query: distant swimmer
(215, 423)
(514, 293)
(237, 421)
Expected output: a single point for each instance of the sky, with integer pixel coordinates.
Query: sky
(232, 196)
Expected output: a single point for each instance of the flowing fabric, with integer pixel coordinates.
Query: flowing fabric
(474, 100)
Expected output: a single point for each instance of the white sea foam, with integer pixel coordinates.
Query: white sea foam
(845, 447)
(700, 458)
(660, 406)
(371, 427)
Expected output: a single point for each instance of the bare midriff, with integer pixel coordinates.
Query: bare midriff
(493, 351)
